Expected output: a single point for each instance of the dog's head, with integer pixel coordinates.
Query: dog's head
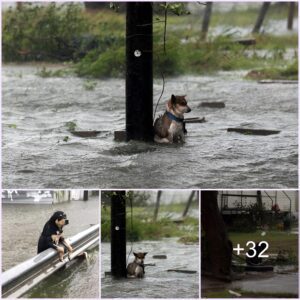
(178, 104)
(139, 257)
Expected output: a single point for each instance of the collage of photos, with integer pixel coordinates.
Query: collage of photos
(149, 150)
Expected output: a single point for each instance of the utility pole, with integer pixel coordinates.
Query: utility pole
(118, 234)
(139, 71)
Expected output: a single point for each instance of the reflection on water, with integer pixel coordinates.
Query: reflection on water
(157, 283)
(36, 109)
(21, 227)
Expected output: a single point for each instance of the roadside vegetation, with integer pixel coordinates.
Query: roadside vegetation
(142, 226)
(93, 44)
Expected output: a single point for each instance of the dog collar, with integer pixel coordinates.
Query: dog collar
(174, 118)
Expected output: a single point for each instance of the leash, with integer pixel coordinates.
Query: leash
(161, 72)
(162, 90)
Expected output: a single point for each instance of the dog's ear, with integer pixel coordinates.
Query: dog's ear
(135, 254)
(145, 253)
(173, 99)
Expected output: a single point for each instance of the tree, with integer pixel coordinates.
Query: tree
(206, 20)
(216, 247)
(157, 205)
(261, 16)
(292, 6)
(188, 204)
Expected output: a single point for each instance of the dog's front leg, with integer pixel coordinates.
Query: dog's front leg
(182, 137)
(170, 137)
(171, 131)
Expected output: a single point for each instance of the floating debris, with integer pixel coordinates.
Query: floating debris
(160, 256)
(213, 104)
(253, 131)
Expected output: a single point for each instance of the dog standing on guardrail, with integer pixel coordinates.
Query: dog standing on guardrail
(137, 267)
(169, 128)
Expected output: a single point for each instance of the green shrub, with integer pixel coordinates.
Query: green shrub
(110, 63)
(49, 32)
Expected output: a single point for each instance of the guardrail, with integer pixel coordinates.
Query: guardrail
(21, 278)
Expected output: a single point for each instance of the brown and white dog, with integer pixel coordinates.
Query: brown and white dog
(137, 267)
(169, 128)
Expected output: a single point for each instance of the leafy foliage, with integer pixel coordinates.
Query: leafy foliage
(49, 32)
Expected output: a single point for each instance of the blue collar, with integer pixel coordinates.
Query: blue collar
(174, 118)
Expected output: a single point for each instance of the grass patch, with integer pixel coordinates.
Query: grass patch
(278, 241)
(289, 72)
(144, 228)
(45, 73)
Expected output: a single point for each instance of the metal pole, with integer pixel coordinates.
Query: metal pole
(139, 71)
(118, 234)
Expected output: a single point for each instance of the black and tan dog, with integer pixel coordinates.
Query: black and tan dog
(169, 128)
(137, 267)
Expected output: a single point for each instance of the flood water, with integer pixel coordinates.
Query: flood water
(36, 109)
(21, 227)
(258, 282)
(80, 280)
(157, 283)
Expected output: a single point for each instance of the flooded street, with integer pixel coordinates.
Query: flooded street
(35, 111)
(80, 280)
(21, 227)
(157, 282)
